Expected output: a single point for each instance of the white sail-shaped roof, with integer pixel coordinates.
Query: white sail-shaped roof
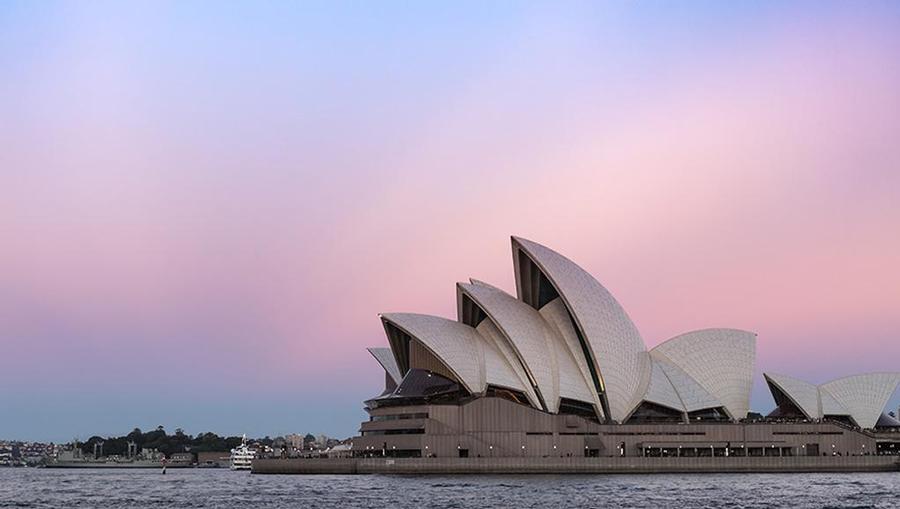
(501, 368)
(720, 360)
(456, 345)
(615, 345)
(671, 387)
(693, 396)
(571, 384)
(387, 361)
(864, 395)
(805, 396)
(660, 391)
(830, 406)
(528, 334)
(860, 397)
(577, 380)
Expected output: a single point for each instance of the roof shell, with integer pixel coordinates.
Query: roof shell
(720, 360)
(861, 397)
(500, 366)
(804, 395)
(661, 391)
(575, 378)
(830, 406)
(693, 396)
(527, 333)
(864, 396)
(455, 344)
(385, 357)
(615, 345)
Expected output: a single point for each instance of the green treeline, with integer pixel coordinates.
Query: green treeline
(165, 443)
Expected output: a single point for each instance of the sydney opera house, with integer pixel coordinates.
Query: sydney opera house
(560, 370)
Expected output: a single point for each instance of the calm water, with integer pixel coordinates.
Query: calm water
(223, 488)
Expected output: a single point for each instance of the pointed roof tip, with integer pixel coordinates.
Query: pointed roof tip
(391, 317)
(478, 282)
(385, 357)
(515, 239)
(778, 375)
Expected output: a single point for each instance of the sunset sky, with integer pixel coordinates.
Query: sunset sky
(204, 207)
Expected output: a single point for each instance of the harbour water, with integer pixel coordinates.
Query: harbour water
(220, 488)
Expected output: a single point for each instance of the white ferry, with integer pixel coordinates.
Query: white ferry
(242, 456)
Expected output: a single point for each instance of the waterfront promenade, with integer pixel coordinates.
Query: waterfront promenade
(525, 465)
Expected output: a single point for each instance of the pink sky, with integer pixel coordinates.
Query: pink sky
(177, 201)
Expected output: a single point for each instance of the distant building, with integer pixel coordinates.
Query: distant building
(219, 459)
(295, 441)
(339, 451)
(181, 457)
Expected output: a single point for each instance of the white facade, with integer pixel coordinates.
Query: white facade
(860, 397)
(616, 348)
(565, 337)
(805, 396)
(661, 391)
(720, 360)
(500, 367)
(577, 376)
(457, 345)
(691, 394)
(527, 333)
(864, 396)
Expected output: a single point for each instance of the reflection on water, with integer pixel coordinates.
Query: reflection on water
(206, 488)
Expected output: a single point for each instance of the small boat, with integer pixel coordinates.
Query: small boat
(242, 456)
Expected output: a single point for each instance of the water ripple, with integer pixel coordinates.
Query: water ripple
(211, 489)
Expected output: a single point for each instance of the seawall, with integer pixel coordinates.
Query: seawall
(633, 465)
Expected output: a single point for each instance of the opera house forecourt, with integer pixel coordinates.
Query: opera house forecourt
(558, 379)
